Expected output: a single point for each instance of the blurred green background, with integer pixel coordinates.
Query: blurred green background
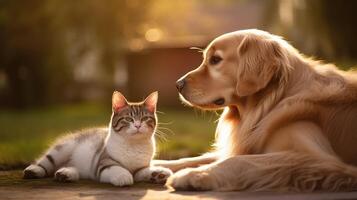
(60, 61)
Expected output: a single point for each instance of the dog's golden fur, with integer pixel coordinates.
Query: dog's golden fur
(289, 122)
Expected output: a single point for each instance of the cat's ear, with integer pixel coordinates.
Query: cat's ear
(118, 101)
(151, 101)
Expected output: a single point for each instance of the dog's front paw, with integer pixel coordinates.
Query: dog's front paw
(160, 174)
(191, 179)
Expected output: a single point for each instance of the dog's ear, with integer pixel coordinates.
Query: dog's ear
(258, 61)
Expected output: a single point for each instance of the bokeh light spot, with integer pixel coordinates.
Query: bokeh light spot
(153, 35)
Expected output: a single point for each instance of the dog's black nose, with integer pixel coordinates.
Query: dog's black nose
(219, 101)
(180, 84)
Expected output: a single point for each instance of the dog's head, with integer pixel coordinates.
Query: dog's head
(235, 65)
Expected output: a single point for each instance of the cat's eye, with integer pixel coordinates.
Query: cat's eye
(144, 118)
(129, 119)
(214, 60)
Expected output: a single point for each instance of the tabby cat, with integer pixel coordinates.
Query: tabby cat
(119, 154)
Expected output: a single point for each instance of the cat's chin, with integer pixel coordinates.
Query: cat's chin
(142, 133)
(139, 134)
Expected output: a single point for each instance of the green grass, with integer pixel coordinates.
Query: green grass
(24, 135)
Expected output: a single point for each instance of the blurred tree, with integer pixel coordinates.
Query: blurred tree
(43, 40)
(326, 28)
(27, 38)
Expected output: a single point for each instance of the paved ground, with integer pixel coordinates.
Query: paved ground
(13, 187)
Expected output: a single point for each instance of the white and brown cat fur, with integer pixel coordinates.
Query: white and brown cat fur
(120, 154)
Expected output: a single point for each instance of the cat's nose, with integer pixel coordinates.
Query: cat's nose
(137, 125)
(180, 84)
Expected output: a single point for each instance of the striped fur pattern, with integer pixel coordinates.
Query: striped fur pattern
(119, 154)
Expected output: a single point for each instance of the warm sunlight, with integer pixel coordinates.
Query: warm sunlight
(149, 99)
(153, 35)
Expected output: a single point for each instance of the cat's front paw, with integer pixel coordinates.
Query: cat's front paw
(160, 174)
(117, 176)
(67, 174)
(34, 171)
(123, 180)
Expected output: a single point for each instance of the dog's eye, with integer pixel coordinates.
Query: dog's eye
(214, 60)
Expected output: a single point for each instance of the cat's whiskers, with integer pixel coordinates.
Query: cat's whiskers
(164, 123)
(162, 132)
(161, 128)
(161, 136)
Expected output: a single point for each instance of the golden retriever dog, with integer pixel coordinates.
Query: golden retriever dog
(289, 122)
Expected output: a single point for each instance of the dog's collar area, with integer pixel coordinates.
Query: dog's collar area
(219, 101)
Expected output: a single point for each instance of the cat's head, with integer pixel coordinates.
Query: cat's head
(134, 119)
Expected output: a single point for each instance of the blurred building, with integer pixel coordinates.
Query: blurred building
(158, 66)
(163, 56)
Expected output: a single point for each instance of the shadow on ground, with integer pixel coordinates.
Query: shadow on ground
(12, 186)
